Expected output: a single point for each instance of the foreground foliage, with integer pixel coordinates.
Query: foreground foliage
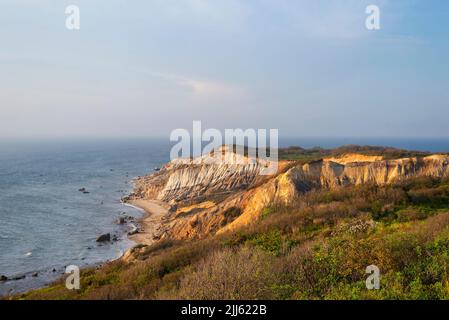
(317, 248)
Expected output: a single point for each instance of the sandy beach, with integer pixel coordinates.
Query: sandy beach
(155, 212)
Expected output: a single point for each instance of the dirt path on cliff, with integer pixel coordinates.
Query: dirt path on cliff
(155, 211)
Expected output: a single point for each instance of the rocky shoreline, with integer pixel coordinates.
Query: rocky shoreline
(140, 230)
(36, 279)
(149, 226)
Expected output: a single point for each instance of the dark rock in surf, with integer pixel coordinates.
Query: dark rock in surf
(104, 237)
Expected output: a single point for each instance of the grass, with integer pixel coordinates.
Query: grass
(315, 248)
(316, 153)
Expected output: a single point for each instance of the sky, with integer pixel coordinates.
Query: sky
(146, 67)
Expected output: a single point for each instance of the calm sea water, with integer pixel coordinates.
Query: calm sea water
(46, 223)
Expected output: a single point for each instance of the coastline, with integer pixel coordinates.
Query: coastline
(58, 225)
(22, 283)
(148, 226)
(154, 211)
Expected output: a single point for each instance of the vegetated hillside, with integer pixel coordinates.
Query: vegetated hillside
(316, 245)
(298, 153)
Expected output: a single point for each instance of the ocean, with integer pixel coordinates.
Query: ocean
(46, 223)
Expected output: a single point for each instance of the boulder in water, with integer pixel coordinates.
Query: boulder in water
(104, 237)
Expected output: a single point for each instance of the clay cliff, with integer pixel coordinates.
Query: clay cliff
(208, 197)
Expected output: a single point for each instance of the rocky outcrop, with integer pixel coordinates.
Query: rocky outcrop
(104, 237)
(193, 181)
(208, 197)
(186, 180)
(331, 174)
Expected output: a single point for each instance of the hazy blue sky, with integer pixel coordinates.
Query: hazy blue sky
(145, 67)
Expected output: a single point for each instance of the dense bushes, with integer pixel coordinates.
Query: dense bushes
(412, 267)
(317, 248)
(241, 273)
(413, 260)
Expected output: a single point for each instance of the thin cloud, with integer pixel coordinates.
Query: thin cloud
(200, 87)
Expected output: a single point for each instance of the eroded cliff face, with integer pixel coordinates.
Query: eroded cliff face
(184, 181)
(330, 174)
(211, 197)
